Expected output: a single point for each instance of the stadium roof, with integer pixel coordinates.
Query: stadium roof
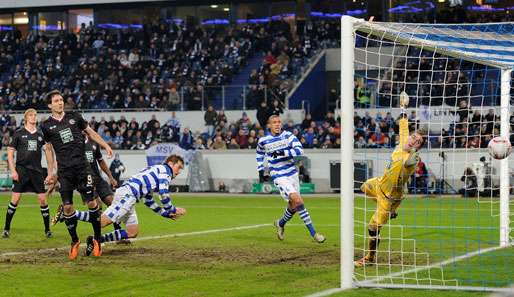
(489, 44)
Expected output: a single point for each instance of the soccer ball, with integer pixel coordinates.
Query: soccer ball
(499, 147)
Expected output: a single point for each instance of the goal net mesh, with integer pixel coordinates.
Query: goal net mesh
(447, 229)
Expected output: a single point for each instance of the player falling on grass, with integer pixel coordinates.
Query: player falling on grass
(103, 190)
(280, 148)
(63, 134)
(27, 173)
(140, 187)
(387, 190)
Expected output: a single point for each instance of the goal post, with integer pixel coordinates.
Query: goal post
(458, 78)
(506, 75)
(347, 180)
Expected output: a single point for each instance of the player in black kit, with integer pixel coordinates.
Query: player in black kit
(27, 173)
(103, 190)
(63, 134)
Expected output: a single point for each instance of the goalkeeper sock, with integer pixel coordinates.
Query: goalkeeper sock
(82, 215)
(305, 216)
(115, 235)
(71, 224)
(288, 215)
(11, 209)
(94, 219)
(45, 213)
(373, 243)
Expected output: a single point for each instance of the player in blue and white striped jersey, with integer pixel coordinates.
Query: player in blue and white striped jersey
(280, 148)
(140, 187)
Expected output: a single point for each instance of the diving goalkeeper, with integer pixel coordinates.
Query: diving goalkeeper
(387, 190)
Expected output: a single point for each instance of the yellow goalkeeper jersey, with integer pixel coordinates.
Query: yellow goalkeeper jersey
(392, 182)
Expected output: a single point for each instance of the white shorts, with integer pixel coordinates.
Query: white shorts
(287, 185)
(123, 207)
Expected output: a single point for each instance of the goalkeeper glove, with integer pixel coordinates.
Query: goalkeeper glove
(413, 158)
(276, 154)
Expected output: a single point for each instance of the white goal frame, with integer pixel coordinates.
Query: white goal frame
(347, 196)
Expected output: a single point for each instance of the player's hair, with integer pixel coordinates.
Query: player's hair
(273, 117)
(49, 95)
(173, 159)
(28, 111)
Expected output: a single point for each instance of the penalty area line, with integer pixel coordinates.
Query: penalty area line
(184, 234)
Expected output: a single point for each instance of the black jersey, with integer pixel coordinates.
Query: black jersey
(28, 148)
(67, 139)
(93, 156)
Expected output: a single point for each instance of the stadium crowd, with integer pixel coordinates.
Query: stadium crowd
(468, 129)
(159, 66)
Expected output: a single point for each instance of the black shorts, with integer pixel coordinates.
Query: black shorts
(102, 189)
(78, 178)
(29, 180)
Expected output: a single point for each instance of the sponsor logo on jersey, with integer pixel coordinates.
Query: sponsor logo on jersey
(72, 122)
(66, 135)
(32, 145)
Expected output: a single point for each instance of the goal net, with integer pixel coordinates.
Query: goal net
(452, 228)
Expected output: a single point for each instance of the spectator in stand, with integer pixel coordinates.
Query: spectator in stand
(307, 121)
(117, 168)
(210, 117)
(309, 137)
(276, 108)
(219, 144)
(242, 139)
(186, 139)
(263, 114)
(233, 144)
(221, 118)
(244, 123)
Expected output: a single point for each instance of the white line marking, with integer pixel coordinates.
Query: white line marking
(419, 211)
(326, 292)
(435, 265)
(42, 251)
(371, 282)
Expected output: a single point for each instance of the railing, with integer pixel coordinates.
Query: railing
(306, 106)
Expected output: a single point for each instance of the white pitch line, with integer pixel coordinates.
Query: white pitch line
(326, 292)
(435, 265)
(42, 251)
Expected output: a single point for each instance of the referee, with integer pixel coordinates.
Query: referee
(27, 173)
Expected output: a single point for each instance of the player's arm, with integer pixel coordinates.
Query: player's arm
(260, 154)
(105, 169)
(403, 131)
(13, 144)
(103, 166)
(96, 138)
(10, 161)
(295, 147)
(50, 160)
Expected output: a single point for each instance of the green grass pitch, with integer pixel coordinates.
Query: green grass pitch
(204, 254)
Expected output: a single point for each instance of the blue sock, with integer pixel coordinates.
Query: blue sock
(288, 215)
(82, 215)
(114, 236)
(304, 215)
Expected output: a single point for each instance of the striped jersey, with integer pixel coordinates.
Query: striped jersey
(283, 165)
(156, 178)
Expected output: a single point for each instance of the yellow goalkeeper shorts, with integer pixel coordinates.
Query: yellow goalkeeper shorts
(385, 206)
